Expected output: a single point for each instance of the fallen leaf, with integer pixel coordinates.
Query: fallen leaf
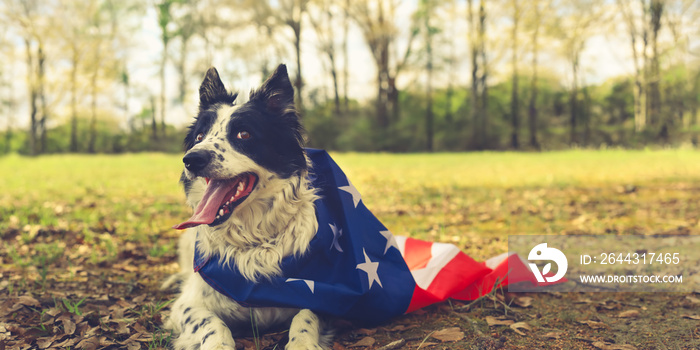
(629, 314)
(44, 343)
(66, 343)
(693, 300)
(583, 301)
(448, 334)
(400, 328)
(28, 300)
(338, 346)
(610, 346)
(553, 335)
(68, 324)
(523, 301)
(520, 325)
(397, 344)
(594, 324)
(88, 343)
(498, 321)
(366, 342)
(365, 331)
(692, 317)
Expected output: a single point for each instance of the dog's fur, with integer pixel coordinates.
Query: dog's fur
(276, 220)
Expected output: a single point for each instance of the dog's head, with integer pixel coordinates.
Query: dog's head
(234, 150)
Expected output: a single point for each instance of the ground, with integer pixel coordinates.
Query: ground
(86, 241)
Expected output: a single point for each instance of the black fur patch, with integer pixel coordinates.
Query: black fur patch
(205, 322)
(204, 338)
(186, 183)
(276, 140)
(202, 123)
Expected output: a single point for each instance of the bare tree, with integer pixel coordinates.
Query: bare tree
(165, 18)
(514, 102)
(640, 115)
(27, 17)
(479, 72)
(376, 22)
(535, 23)
(323, 23)
(426, 12)
(574, 29)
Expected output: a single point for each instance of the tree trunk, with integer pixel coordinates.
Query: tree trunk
(181, 68)
(514, 103)
(299, 82)
(154, 124)
(162, 86)
(474, 52)
(346, 59)
(532, 106)
(694, 107)
(586, 116)
(573, 104)
(74, 100)
(10, 105)
(92, 140)
(41, 78)
(334, 75)
(429, 118)
(484, 76)
(656, 11)
(31, 83)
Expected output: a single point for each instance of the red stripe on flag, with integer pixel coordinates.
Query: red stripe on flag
(417, 253)
(458, 274)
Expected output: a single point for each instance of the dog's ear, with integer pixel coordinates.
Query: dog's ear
(212, 89)
(276, 93)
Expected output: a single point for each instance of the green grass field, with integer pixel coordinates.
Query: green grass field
(98, 228)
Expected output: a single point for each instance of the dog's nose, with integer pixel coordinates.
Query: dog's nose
(197, 160)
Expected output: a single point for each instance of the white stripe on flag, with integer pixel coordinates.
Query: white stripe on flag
(496, 260)
(442, 254)
(401, 242)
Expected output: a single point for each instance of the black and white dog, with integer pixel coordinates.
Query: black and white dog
(245, 178)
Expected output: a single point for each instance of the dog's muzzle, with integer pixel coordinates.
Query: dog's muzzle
(195, 161)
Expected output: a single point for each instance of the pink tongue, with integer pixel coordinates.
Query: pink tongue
(206, 211)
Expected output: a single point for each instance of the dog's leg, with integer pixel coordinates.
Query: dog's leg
(194, 322)
(305, 333)
(202, 329)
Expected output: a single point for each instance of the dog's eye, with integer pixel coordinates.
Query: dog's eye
(199, 137)
(242, 135)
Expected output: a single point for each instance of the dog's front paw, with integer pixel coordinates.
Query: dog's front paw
(222, 347)
(302, 344)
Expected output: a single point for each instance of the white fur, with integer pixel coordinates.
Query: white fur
(277, 220)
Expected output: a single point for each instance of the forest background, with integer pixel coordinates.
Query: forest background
(105, 76)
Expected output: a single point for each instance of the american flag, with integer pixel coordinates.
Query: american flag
(356, 269)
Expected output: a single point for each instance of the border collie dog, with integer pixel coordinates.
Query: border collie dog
(245, 178)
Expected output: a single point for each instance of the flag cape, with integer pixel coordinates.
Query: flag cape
(356, 269)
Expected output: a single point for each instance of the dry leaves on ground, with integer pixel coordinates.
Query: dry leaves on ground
(448, 334)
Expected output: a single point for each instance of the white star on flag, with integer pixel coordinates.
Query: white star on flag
(336, 234)
(390, 240)
(309, 283)
(353, 191)
(370, 267)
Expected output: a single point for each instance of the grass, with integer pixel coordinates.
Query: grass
(79, 225)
